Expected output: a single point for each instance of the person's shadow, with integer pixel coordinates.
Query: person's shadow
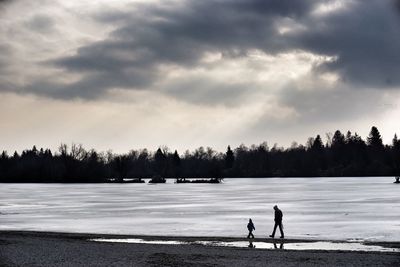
(251, 245)
(280, 245)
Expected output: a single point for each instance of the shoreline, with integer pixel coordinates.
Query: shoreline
(128, 179)
(87, 236)
(24, 248)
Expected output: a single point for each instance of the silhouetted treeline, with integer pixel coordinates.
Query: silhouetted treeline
(341, 155)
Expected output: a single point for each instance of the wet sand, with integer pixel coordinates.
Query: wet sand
(65, 249)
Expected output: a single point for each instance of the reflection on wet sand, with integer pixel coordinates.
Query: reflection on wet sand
(279, 245)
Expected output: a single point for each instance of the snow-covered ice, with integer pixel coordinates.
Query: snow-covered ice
(365, 208)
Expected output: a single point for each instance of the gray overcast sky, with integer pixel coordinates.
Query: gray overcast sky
(125, 74)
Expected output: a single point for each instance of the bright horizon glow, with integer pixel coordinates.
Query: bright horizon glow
(125, 75)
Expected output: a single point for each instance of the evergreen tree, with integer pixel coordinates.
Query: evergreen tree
(396, 154)
(176, 162)
(374, 139)
(229, 158)
(317, 144)
(338, 139)
(4, 155)
(395, 142)
(348, 138)
(160, 161)
(34, 150)
(176, 159)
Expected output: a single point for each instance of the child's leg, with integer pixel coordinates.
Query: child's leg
(250, 234)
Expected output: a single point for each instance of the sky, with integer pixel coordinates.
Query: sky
(131, 74)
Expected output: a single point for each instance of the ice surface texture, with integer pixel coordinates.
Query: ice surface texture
(365, 208)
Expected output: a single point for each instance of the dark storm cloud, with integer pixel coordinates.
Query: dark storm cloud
(180, 36)
(365, 40)
(93, 85)
(3, 3)
(363, 37)
(151, 37)
(397, 4)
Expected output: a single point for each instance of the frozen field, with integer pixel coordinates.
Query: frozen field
(365, 208)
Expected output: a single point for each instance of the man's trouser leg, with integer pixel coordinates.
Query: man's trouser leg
(273, 233)
(281, 229)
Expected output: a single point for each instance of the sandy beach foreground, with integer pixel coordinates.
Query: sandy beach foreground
(64, 249)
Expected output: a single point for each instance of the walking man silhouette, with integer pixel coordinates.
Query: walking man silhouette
(278, 222)
(250, 227)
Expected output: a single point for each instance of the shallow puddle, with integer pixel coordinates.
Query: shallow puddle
(140, 241)
(320, 245)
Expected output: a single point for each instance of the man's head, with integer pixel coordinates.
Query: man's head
(275, 207)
